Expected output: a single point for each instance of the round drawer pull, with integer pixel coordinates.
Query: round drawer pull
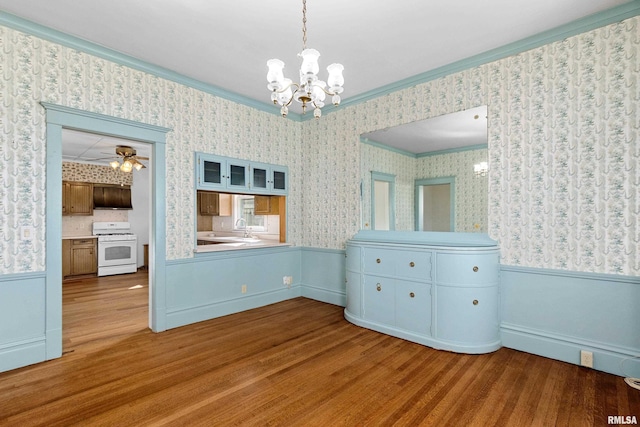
(475, 302)
(412, 264)
(378, 287)
(475, 269)
(411, 294)
(378, 260)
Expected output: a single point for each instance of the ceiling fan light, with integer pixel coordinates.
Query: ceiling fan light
(127, 166)
(114, 164)
(138, 166)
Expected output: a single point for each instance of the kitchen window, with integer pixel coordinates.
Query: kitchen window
(244, 208)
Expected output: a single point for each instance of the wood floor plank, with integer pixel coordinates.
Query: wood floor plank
(295, 363)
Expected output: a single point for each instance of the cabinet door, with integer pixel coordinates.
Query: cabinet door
(354, 293)
(279, 180)
(65, 198)
(413, 307)
(83, 257)
(379, 299)
(266, 205)
(208, 203)
(212, 172)
(66, 257)
(468, 315)
(238, 175)
(79, 198)
(260, 177)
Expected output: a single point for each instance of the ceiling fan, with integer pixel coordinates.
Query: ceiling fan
(129, 159)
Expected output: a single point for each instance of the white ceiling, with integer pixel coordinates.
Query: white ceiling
(83, 147)
(227, 43)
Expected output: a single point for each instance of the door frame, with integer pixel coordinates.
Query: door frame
(59, 117)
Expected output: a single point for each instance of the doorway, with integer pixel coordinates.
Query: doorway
(90, 157)
(435, 204)
(383, 201)
(59, 117)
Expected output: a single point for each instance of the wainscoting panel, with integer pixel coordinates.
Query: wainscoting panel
(22, 320)
(211, 284)
(323, 275)
(557, 313)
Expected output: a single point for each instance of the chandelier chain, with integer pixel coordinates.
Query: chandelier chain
(304, 24)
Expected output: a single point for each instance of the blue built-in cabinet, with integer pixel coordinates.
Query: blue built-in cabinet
(436, 289)
(220, 173)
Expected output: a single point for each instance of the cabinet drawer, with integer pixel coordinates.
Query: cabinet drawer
(398, 263)
(83, 242)
(468, 315)
(467, 269)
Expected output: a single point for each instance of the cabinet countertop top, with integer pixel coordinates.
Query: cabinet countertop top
(87, 236)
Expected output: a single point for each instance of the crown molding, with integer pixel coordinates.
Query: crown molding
(55, 36)
(591, 22)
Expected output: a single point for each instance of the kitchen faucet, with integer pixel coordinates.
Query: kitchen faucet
(246, 232)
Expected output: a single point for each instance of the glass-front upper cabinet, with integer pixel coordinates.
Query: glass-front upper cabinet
(269, 179)
(224, 173)
(221, 173)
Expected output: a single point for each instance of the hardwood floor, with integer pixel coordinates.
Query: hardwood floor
(295, 363)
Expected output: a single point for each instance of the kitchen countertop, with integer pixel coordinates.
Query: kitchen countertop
(88, 236)
(234, 246)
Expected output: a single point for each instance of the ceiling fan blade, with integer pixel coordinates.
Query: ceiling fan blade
(142, 158)
(102, 158)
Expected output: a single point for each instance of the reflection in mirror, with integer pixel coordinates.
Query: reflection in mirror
(438, 147)
(435, 210)
(382, 201)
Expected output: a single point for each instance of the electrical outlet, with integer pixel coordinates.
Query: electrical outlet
(244, 289)
(586, 358)
(287, 280)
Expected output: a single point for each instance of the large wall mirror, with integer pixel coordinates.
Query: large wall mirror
(440, 168)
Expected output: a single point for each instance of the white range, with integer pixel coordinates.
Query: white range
(116, 248)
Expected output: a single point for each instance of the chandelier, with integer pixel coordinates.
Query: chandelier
(310, 90)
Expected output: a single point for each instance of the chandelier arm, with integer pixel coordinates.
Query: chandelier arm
(326, 91)
(285, 88)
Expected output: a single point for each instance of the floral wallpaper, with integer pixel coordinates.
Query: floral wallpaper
(94, 173)
(33, 70)
(563, 146)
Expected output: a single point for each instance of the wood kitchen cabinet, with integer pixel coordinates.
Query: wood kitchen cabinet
(214, 204)
(77, 198)
(79, 257)
(266, 205)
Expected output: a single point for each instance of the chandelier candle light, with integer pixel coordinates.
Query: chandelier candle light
(310, 90)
